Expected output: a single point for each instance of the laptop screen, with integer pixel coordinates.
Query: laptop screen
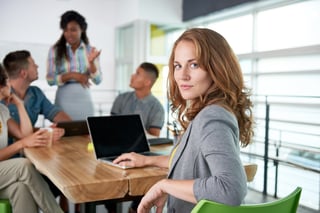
(117, 134)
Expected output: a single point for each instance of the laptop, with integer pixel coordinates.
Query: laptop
(159, 141)
(73, 128)
(117, 134)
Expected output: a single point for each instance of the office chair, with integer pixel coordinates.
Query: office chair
(251, 170)
(288, 204)
(5, 206)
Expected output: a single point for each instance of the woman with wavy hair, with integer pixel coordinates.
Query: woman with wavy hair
(211, 103)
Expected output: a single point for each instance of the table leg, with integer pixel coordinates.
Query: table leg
(89, 207)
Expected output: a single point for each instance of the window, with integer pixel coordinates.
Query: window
(289, 26)
(237, 31)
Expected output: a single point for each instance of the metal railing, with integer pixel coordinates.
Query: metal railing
(283, 130)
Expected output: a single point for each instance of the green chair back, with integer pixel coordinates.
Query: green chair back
(288, 204)
(5, 206)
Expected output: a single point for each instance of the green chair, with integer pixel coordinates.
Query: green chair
(287, 204)
(5, 206)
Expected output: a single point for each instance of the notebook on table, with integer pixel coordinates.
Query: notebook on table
(117, 134)
(73, 128)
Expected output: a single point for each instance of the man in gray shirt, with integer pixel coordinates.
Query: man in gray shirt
(140, 101)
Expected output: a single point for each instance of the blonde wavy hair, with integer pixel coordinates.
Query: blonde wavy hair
(214, 55)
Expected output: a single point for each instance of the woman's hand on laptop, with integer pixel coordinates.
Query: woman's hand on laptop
(131, 159)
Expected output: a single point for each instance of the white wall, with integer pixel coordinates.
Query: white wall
(34, 25)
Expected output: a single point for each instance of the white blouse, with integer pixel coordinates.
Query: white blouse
(4, 117)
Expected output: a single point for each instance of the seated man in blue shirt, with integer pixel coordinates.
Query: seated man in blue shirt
(22, 71)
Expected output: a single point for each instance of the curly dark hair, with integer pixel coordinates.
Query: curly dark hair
(67, 17)
(214, 55)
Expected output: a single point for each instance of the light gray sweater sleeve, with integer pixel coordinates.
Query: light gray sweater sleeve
(225, 179)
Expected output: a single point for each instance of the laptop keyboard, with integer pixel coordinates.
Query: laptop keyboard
(109, 158)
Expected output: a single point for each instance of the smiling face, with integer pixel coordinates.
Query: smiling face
(192, 81)
(72, 33)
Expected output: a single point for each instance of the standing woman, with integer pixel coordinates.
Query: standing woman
(209, 99)
(72, 62)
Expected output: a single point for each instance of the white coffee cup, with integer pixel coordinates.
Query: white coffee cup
(50, 135)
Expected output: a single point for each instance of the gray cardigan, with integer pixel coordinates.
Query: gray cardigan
(209, 153)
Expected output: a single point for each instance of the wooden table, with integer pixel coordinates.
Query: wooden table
(83, 179)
